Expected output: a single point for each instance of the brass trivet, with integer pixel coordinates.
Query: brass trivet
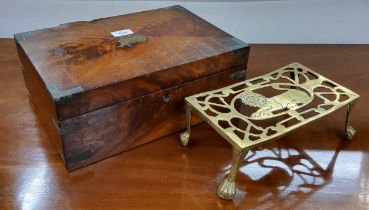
(267, 107)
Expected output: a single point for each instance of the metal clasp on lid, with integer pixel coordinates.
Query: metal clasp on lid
(238, 74)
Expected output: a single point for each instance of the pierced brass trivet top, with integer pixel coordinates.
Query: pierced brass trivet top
(264, 108)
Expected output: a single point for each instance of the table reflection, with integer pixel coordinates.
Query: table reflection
(287, 173)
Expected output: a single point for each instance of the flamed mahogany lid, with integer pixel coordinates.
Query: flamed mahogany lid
(84, 67)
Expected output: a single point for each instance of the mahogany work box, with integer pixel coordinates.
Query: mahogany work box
(104, 86)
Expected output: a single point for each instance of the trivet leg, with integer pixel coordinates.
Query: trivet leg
(349, 130)
(227, 189)
(186, 135)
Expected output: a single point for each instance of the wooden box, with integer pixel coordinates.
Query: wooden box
(98, 95)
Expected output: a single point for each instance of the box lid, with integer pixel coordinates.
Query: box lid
(85, 67)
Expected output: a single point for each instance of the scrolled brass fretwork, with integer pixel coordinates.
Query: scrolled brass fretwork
(264, 108)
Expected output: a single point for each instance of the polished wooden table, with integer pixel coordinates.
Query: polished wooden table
(309, 169)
